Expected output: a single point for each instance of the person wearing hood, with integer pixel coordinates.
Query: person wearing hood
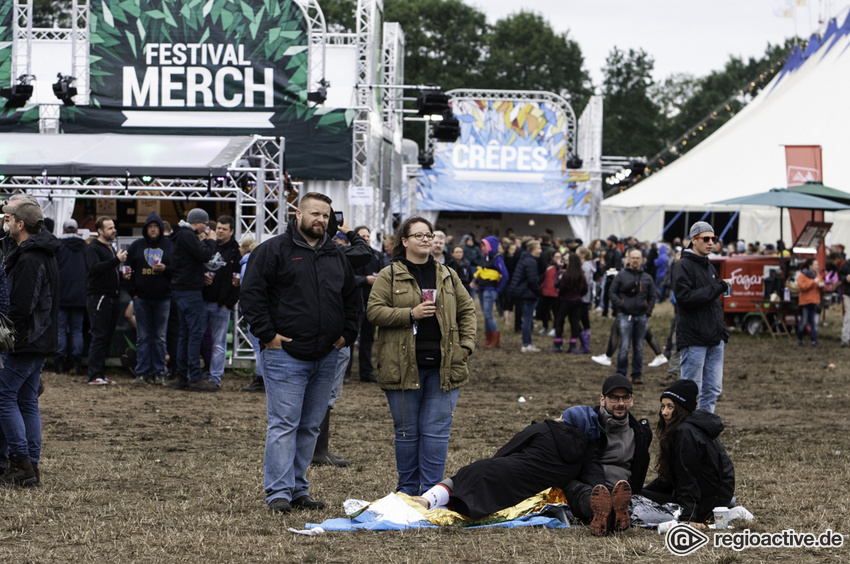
(191, 248)
(811, 286)
(490, 279)
(150, 287)
(694, 470)
(701, 331)
(72, 300)
(543, 455)
(426, 331)
(103, 284)
(33, 284)
(300, 298)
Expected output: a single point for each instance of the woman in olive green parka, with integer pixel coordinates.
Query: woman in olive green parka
(426, 331)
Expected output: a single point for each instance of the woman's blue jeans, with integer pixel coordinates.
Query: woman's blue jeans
(808, 314)
(422, 419)
(489, 296)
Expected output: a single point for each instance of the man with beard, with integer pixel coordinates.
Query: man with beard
(220, 293)
(33, 282)
(102, 287)
(300, 298)
(602, 492)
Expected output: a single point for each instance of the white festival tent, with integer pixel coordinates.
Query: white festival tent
(805, 104)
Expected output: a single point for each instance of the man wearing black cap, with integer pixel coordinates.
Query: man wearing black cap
(191, 248)
(604, 489)
(701, 333)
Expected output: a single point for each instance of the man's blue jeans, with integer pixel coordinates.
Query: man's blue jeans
(20, 418)
(528, 307)
(342, 364)
(151, 325)
(297, 393)
(190, 310)
(704, 365)
(70, 320)
(489, 296)
(632, 332)
(422, 420)
(217, 318)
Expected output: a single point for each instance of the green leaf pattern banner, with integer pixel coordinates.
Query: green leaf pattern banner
(210, 67)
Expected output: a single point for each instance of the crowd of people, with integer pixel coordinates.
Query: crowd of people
(312, 293)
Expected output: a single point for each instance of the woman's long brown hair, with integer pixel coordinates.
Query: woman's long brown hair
(664, 431)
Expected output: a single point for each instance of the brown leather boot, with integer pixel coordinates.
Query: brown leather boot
(495, 343)
(20, 473)
(488, 341)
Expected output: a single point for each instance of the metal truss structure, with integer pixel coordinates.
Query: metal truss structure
(316, 31)
(254, 183)
(22, 38)
(80, 49)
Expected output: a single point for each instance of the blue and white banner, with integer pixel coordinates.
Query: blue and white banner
(510, 157)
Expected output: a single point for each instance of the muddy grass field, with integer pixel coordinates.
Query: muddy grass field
(155, 475)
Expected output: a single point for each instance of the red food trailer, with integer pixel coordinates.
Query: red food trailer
(748, 274)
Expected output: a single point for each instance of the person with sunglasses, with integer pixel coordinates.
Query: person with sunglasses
(701, 333)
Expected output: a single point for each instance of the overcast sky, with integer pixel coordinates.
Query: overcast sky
(683, 36)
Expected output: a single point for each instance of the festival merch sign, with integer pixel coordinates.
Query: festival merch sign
(210, 67)
(510, 157)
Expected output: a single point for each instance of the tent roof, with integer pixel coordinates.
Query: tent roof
(805, 105)
(25, 154)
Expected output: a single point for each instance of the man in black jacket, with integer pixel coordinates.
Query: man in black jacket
(613, 263)
(221, 293)
(190, 248)
(300, 299)
(33, 283)
(72, 299)
(149, 286)
(102, 288)
(365, 277)
(701, 332)
(622, 452)
(633, 295)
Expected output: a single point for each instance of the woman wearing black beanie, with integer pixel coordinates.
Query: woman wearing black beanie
(694, 470)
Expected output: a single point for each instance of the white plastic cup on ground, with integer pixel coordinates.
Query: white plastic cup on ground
(721, 517)
(666, 526)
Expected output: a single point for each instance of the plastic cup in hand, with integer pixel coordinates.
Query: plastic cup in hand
(429, 295)
(211, 275)
(155, 261)
(126, 271)
(721, 517)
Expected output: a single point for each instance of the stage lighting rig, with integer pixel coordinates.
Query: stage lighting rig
(18, 94)
(447, 129)
(432, 103)
(320, 95)
(64, 89)
(574, 162)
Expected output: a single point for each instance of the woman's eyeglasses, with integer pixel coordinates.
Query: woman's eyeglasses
(709, 239)
(419, 236)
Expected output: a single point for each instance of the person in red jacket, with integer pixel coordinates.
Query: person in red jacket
(811, 285)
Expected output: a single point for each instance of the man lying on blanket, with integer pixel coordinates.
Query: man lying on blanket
(604, 447)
